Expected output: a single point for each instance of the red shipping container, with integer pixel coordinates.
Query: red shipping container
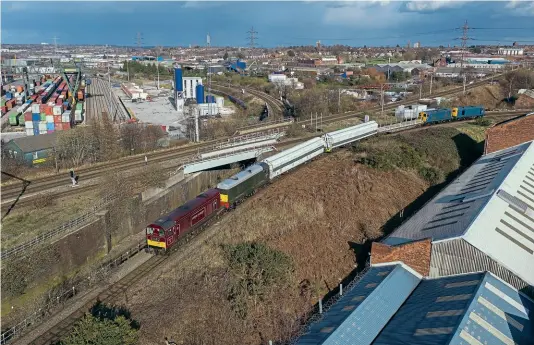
(42, 107)
(49, 110)
(66, 125)
(4, 109)
(57, 119)
(58, 126)
(28, 116)
(59, 102)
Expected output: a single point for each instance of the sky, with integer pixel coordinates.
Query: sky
(281, 23)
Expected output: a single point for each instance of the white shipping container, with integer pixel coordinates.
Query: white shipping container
(29, 131)
(57, 110)
(43, 132)
(290, 158)
(49, 118)
(35, 108)
(42, 126)
(28, 124)
(78, 116)
(349, 135)
(17, 94)
(65, 118)
(135, 95)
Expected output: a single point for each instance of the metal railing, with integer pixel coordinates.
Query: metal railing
(65, 228)
(53, 301)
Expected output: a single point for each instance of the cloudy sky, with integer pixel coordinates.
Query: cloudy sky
(277, 23)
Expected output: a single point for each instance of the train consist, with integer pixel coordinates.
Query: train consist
(163, 233)
(451, 114)
(237, 101)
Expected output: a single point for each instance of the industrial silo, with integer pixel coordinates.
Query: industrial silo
(178, 83)
(200, 93)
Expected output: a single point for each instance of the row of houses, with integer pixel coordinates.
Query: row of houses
(460, 271)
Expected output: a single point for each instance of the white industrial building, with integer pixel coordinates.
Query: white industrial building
(511, 51)
(190, 86)
(482, 221)
(283, 80)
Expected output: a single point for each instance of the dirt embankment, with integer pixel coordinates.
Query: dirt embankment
(490, 96)
(320, 216)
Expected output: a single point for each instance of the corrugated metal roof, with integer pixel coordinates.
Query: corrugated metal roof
(458, 209)
(498, 314)
(36, 142)
(360, 314)
(475, 308)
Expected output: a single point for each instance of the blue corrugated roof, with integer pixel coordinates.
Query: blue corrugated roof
(453, 210)
(360, 314)
(475, 308)
(421, 313)
(498, 314)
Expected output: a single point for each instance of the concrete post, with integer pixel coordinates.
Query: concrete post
(104, 219)
(341, 289)
(320, 306)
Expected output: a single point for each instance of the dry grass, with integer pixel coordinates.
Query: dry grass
(342, 205)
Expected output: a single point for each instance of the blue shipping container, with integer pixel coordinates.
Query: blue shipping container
(50, 126)
(36, 117)
(35, 131)
(8, 95)
(178, 81)
(200, 94)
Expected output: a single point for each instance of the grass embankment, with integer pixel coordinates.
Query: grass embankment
(251, 277)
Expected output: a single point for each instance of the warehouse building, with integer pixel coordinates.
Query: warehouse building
(509, 133)
(32, 150)
(394, 305)
(482, 221)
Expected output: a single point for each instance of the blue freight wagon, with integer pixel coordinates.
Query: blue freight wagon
(437, 115)
(461, 113)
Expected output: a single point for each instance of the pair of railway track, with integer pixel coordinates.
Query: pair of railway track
(61, 328)
(11, 192)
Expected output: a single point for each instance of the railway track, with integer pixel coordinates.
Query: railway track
(102, 99)
(10, 192)
(56, 331)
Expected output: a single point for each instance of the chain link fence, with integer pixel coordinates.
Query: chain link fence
(66, 294)
(66, 228)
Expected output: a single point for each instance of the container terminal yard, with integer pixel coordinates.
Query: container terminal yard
(243, 124)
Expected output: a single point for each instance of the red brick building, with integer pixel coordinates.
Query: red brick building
(509, 133)
(415, 254)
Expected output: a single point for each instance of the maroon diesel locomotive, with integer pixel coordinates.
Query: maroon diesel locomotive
(164, 232)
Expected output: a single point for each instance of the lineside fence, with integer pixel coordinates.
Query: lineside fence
(66, 228)
(60, 298)
(322, 307)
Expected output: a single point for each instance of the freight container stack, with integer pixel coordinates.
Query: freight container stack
(45, 118)
(78, 113)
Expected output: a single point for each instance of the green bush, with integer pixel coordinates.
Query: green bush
(255, 268)
(482, 122)
(92, 330)
(387, 157)
(431, 174)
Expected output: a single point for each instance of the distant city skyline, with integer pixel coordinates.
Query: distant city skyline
(170, 24)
